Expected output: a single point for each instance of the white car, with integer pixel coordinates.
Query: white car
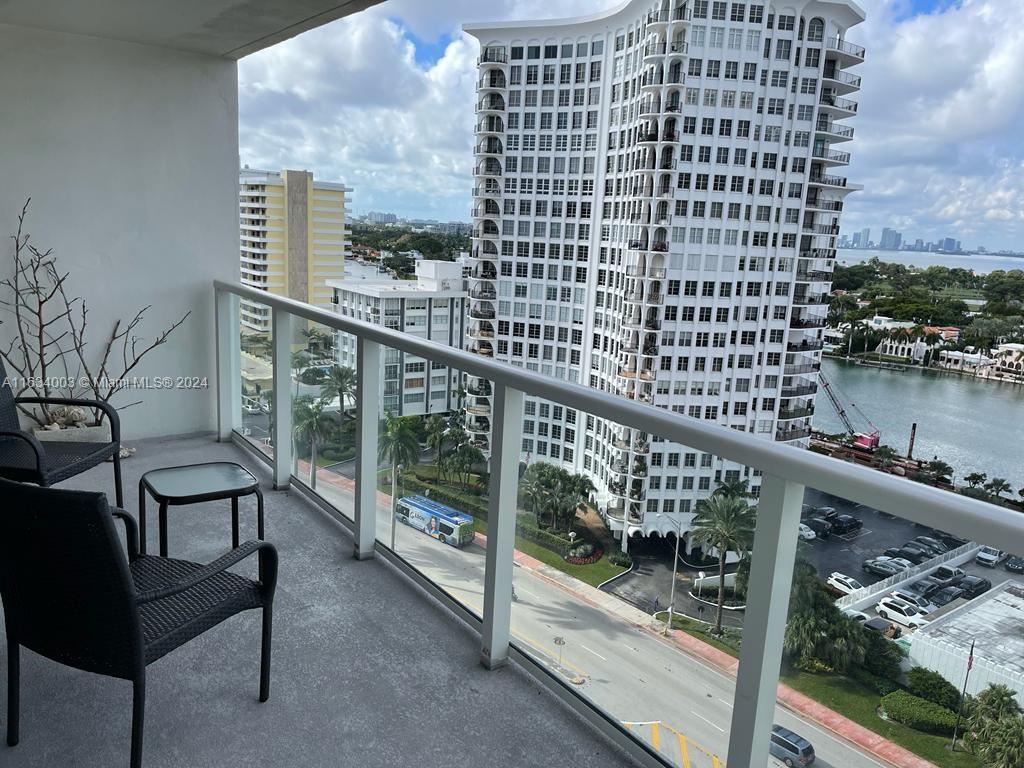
(843, 583)
(990, 557)
(923, 604)
(858, 616)
(807, 533)
(902, 613)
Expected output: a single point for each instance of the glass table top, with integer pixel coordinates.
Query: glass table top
(199, 480)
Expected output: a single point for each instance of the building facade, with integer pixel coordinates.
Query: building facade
(294, 238)
(433, 306)
(655, 212)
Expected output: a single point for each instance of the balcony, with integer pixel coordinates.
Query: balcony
(783, 435)
(828, 181)
(838, 104)
(845, 49)
(807, 322)
(833, 131)
(821, 204)
(808, 300)
(801, 390)
(492, 56)
(788, 414)
(804, 346)
(843, 82)
(831, 156)
(795, 370)
(481, 313)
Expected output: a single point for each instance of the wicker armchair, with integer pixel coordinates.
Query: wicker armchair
(25, 459)
(71, 595)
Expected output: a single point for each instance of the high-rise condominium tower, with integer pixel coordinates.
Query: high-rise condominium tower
(656, 205)
(294, 238)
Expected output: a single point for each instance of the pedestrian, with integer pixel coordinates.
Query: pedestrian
(657, 604)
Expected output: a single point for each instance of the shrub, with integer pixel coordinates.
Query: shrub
(812, 665)
(933, 687)
(881, 657)
(620, 558)
(582, 550)
(880, 685)
(917, 713)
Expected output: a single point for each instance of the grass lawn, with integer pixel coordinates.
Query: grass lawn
(593, 574)
(857, 702)
(729, 644)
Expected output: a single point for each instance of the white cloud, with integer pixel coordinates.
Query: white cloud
(938, 144)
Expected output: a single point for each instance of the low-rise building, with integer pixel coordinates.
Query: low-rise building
(433, 306)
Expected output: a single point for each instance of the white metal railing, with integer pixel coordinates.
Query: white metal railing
(785, 470)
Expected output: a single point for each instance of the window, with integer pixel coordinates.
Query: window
(783, 49)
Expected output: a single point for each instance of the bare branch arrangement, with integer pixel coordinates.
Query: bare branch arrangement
(49, 341)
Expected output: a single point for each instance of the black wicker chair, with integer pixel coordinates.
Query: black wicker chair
(24, 458)
(71, 595)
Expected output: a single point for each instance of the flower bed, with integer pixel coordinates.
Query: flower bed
(593, 557)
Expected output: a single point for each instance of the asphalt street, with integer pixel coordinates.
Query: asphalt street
(638, 678)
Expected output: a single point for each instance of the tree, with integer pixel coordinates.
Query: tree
(885, 456)
(340, 382)
(817, 629)
(737, 489)
(975, 479)
(436, 429)
(989, 713)
(311, 422)
(397, 445)
(997, 486)
(466, 457)
(939, 469)
(724, 523)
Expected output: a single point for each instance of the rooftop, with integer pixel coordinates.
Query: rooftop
(368, 669)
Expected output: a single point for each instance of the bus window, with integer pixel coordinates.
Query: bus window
(446, 529)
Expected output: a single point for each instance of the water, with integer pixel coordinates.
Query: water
(972, 424)
(980, 263)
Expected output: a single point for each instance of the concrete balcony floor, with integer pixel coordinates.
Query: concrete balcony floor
(368, 669)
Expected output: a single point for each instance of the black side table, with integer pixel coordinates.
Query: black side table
(194, 483)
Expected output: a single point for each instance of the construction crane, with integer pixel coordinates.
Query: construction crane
(868, 441)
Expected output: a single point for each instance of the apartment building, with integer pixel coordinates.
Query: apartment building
(432, 307)
(656, 204)
(294, 238)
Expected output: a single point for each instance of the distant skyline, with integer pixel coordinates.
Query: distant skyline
(383, 101)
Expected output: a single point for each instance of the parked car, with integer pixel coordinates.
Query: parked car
(1015, 564)
(858, 616)
(948, 539)
(923, 604)
(250, 407)
(923, 588)
(933, 544)
(821, 527)
(946, 595)
(846, 524)
(946, 576)
(990, 557)
(915, 556)
(973, 586)
(925, 553)
(843, 583)
(829, 513)
(789, 747)
(901, 613)
(885, 566)
(807, 533)
(883, 627)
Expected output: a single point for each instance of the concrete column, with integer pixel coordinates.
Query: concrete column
(368, 389)
(282, 325)
(229, 374)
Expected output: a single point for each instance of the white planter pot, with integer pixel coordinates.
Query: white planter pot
(94, 434)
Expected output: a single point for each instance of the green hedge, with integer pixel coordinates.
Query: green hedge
(881, 685)
(934, 687)
(919, 714)
(527, 529)
(620, 558)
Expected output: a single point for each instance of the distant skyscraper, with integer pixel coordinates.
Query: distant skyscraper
(948, 244)
(381, 218)
(891, 240)
(856, 240)
(294, 238)
(865, 237)
(658, 195)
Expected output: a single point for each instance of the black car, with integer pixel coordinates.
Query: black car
(946, 595)
(923, 587)
(932, 544)
(822, 528)
(972, 586)
(846, 524)
(926, 553)
(1015, 563)
(913, 555)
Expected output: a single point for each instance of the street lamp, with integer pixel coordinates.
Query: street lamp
(675, 565)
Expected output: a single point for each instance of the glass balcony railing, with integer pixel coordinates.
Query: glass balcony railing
(454, 499)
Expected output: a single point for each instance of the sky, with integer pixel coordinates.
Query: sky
(383, 101)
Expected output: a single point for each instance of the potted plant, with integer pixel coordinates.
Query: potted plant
(47, 355)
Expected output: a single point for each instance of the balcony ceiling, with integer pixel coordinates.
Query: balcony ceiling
(228, 28)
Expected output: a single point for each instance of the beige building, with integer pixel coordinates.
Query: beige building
(294, 238)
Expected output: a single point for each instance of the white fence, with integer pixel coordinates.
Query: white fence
(870, 593)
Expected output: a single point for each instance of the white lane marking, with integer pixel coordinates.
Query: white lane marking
(602, 658)
(528, 592)
(713, 725)
(727, 703)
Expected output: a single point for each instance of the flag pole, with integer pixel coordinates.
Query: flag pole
(963, 695)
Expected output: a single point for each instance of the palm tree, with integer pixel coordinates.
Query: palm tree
(885, 455)
(436, 429)
(939, 469)
(1006, 750)
(311, 422)
(990, 710)
(724, 523)
(975, 479)
(468, 456)
(397, 444)
(738, 489)
(997, 486)
(340, 382)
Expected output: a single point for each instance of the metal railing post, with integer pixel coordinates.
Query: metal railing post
(281, 407)
(506, 438)
(764, 623)
(229, 375)
(368, 373)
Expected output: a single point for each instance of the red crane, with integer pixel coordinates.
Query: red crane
(865, 440)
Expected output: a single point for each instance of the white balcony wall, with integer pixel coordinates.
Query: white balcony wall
(130, 155)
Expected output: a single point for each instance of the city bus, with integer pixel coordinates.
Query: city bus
(447, 525)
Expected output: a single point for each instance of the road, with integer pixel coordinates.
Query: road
(635, 676)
